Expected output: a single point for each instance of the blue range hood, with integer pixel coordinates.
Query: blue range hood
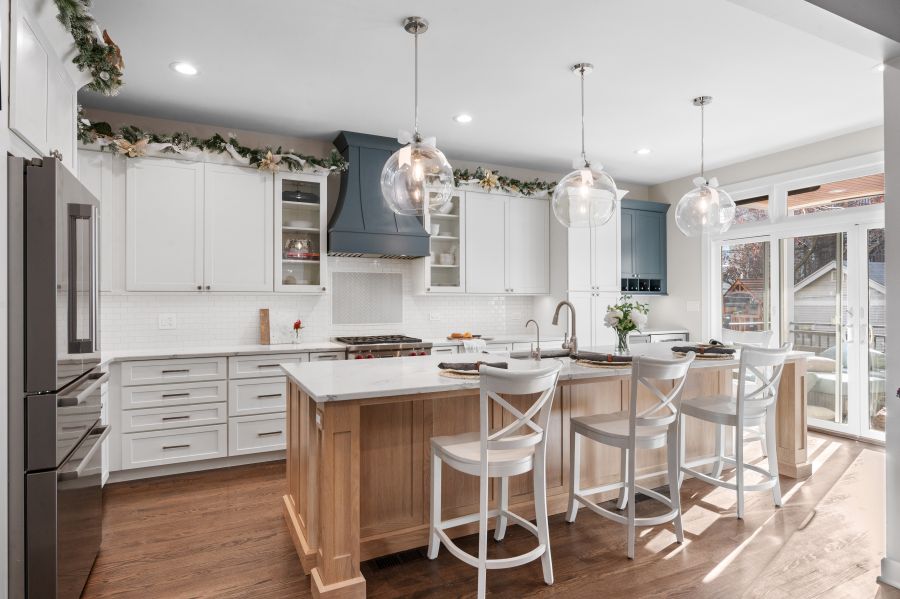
(362, 224)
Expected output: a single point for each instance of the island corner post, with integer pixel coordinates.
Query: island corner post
(358, 471)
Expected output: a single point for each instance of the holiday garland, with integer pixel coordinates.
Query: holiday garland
(490, 180)
(97, 53)
(133, 142)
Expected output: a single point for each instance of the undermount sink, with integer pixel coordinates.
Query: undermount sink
(545, 353)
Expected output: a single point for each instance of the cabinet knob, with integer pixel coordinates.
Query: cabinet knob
(207, 287)
(323, 289)
(199, 287)
(56, 154)
(428, 289)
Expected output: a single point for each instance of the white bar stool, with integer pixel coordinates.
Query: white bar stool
(514, 449)
(750, 408)
(742, 339)
(630, 431)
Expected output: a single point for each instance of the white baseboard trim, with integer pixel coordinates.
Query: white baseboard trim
(169, 469)
(890, 572)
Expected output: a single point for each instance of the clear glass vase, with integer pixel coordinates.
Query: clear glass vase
(622, 342)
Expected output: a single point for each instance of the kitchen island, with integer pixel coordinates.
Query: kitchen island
(359, 444)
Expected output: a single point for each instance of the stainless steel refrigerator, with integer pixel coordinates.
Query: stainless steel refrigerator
(55, 434)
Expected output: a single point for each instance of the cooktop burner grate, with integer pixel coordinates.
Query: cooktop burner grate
(377, 339)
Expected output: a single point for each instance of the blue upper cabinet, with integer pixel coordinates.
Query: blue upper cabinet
(644, 247)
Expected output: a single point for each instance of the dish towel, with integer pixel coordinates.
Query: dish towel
(474, 346)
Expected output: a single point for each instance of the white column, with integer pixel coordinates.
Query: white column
(890, 565)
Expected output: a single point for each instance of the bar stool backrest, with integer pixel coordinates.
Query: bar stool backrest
(762, 367)
(517, 382)
(643, 371)
(750, 338)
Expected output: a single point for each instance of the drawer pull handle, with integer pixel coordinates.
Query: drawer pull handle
(167, 418)
(168, 395)
(176, 370)
(73, 428)
(269, 434)
(267, 395)
(268, 365)
(185, 446)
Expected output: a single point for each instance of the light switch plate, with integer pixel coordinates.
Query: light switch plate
(167, 321)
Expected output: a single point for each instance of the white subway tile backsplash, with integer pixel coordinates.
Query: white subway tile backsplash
(131, 321)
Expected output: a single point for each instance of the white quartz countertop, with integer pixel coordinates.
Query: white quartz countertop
(389, 377)
(220, 350)
(444, 342)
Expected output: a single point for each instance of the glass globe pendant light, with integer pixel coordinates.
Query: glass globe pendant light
(417, 178)
(706, 209)
(587, 196)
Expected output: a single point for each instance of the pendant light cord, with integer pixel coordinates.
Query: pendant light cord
(583, 156)
(416, 84)
(702, 140)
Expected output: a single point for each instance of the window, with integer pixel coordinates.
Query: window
(746, 295)
(752, 210)
(850, 193)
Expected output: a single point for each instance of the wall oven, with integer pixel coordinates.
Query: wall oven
(55, 433)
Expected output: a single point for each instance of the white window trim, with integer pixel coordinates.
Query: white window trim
(781, 226)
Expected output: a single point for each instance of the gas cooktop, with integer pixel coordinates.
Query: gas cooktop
(377, 340)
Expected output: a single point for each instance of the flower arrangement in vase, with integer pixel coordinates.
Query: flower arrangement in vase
(298, 325)
(625, 316)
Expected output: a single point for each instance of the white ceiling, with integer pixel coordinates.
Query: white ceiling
(311, 69)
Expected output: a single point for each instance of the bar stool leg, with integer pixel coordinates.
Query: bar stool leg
(682, 464)
(739, 466)
(631, 493)
(482, 532)
(540, 513)
(623, 492)
(672, 448)
(574, 475)
(720, 451)
(772, 453)
(500, 531)
(434, 542)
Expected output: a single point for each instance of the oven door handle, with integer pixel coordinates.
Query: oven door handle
(101, 433)
(69, 401)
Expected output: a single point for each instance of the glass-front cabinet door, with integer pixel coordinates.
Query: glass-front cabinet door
(301, 233)
(443, 271)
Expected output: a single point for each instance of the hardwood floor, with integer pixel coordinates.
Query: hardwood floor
(221, 534)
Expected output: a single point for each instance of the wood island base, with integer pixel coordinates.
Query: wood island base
(358, 471)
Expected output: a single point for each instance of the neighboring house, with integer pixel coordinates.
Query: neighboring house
(744, 305)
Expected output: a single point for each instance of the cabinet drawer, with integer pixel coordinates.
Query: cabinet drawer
(327, 356)
(171, 447)
(242, 367)
(148, 372)
(155, 396)
(256, 396)
(255, 434)
(169, 417)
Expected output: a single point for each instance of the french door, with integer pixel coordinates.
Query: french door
(833, 305)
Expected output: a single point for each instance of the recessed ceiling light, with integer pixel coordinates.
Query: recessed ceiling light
(880, 68)
(184, 68)
(642, 151)
(836, 190)
(463, 118)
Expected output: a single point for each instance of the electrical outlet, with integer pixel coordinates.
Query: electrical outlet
(167, 321)
(434, 316)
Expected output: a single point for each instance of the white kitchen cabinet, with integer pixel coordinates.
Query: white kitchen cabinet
(486, 243)
(43, 82)
(237, 229)
(507, 244)
(301, 233)
(590, 309)
(164, 225)
(593, 257)
(528, 236)
(444, 271)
